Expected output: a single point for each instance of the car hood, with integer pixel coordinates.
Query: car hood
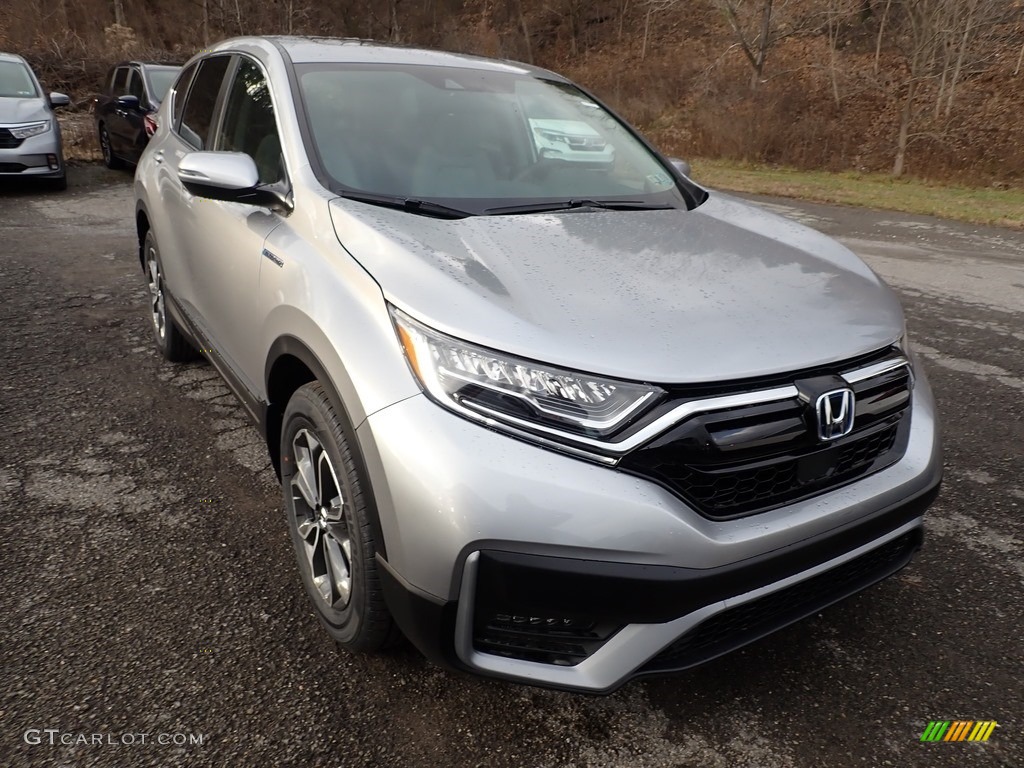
(725, 291)
(23, 110)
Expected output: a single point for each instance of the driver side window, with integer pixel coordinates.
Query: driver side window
(249, 126)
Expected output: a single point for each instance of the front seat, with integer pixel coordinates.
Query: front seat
(269, 162)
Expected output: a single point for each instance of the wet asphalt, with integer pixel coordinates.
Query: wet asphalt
(150, 613)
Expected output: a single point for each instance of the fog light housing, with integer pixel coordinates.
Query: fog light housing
(53, 162)
(561, 641)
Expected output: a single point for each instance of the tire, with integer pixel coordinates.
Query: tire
(110, 160)
(169, 340)
(328, 518)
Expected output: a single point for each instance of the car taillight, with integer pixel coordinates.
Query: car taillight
(150, 124)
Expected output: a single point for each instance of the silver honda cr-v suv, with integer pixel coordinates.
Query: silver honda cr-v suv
(535, 398)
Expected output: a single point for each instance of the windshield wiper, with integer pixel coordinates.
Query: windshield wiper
(410, 204)
(565, 205)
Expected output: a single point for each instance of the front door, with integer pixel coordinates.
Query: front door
(223, 242)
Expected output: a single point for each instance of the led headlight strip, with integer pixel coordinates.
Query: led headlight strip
(516, 391)
(29, 129)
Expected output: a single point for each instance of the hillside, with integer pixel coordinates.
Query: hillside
(933, 88)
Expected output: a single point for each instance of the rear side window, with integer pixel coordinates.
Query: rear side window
(179, 93)
(120, 87)
(202, 101)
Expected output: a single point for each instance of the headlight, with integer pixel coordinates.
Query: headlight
(904, 345)
(31, 129)
(493, 386)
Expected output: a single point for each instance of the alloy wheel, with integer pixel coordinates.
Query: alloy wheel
(105, 146)
(156, 294)
(318, 511)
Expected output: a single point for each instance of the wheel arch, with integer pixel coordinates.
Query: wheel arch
(290, 365)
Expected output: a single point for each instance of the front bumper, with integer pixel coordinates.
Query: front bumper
(713, 612)
(34, 157)
(514, 561)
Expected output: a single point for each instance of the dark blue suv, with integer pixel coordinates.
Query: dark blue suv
(125, 111)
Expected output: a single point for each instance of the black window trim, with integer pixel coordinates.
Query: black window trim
(187, 75)
(135, 71)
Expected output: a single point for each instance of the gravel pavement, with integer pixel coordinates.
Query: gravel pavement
(152, 616)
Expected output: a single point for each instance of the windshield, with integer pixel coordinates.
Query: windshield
(160, 81)
(16, 82)
(475, 140)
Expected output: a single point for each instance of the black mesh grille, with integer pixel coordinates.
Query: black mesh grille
(750, 459)
(7, 140)
(745, 623)
(12, 167)
(560, 641)
(728, 490)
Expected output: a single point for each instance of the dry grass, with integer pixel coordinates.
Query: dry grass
(974, 205)
(79, 133)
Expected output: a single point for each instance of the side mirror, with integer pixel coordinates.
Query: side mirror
(59, 99)
(228, 176)
(127, 101)
(681, 165)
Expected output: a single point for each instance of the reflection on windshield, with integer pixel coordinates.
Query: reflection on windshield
(450, 134)
(16, 82)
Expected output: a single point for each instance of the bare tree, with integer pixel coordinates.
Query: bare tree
(521, 18)
(743, 15)
(653, 7)
(623, 8)
(394, 31)
(881, 33)
(937, 41)
(969, 29)
(923, 26)
(836, 11)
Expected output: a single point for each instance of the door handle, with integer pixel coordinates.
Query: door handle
(158, 156)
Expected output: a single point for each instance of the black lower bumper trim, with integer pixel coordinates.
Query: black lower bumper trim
(510, 583)
(747, 622)
(627, 593)
(427, 623)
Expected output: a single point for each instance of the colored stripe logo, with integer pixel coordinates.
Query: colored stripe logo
(959, 730)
